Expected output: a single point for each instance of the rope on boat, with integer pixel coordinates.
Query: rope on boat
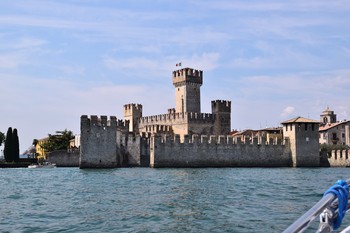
(335, 198)
(341, 191)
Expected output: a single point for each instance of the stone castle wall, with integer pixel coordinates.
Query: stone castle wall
(64, 158)
(107, 144)
(98, 142)
(339, 158)
(133, 150)
(219, 151)
(179, 123)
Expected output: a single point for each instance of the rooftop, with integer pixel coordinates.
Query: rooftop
(300, 120)
(332, 125)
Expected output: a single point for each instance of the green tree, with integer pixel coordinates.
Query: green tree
(2, 138)
(329, 148)
(15, 143)
(58, 141)
(35, 142)
(8, 150)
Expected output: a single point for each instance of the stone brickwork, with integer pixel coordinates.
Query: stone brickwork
(221, 109)
(339, 158)
(108, 144)
(178, 123)
(133, 113)
(143, 141)
(219, 151)
(187, 82)
(303, 136)
(98, 142)
(64, 158)
(186, 118)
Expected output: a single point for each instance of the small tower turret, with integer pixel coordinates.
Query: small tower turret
(133, 113)
(187, 82)
(221, 109)
(303, 136)
(328, 116)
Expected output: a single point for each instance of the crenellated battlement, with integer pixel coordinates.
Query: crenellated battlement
(98, 141)
(132, 109)
(102, 121)
(133, 106)
(192, 117)
(220, 139)
(217, 151)
(339, 158)
(221, 106)
(155, 129)
(171, 110)
(98, 121)
(187, 75)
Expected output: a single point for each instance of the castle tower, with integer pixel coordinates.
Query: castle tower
(98, 142)
(133, 113)
(328, 116)
(303, 137)
(187, 84)
(221, 110)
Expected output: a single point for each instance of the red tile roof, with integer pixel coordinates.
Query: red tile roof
(300, 120)
(331, 125)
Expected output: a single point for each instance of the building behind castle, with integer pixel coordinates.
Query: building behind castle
(333, 132)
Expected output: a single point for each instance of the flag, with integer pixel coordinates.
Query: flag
(178, 64)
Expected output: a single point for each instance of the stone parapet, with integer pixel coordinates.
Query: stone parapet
(98, 141)
(187, 75)
(339, 158)
(217, 151)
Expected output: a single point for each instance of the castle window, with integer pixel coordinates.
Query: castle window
(286, 127)
(334, 136)
(343, 135)
(313, 127)
(305, 127)
(291, 127)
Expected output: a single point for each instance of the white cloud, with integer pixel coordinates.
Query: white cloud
(205, 61)
(9, 61)
(26, 43)
(129, 64)
(287, 111)
(71, 69)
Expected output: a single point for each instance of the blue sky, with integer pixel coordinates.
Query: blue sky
(274, 60)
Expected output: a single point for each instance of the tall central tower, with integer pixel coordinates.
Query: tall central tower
(187, 84)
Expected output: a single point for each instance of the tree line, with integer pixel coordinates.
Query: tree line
(58, 141)
(11, 149)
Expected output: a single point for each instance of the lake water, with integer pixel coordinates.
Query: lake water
(160, 200)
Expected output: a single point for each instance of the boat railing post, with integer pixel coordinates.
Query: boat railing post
(302, 223)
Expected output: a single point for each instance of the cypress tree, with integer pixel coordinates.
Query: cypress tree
(8, 146)
(15, 142)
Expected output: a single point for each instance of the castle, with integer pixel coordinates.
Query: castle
(185, 137)
(186, 118)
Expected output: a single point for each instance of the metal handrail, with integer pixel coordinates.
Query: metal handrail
(302, 223)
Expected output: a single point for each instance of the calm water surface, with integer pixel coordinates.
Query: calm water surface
(160, 200)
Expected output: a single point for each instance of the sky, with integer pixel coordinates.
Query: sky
(274, 60)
